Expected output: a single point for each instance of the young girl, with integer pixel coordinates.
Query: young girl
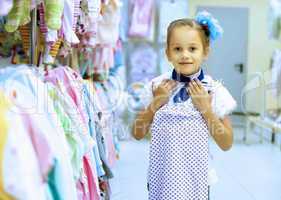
(186, 107)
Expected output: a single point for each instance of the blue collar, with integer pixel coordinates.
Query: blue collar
(185, 79)
(182, 95)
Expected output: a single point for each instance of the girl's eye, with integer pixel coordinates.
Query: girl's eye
(177, 48)
(192, 49)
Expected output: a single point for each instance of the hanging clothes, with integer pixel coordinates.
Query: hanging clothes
(73, 87)
(70, 84)
(69, 21)
(15, 149)
(141, 19)
(29, 92)
(103, 60)
(70, 127)
(93, 118)
(102, 150)
(19, 15)
(274, 19)
(143, 62)
(93, 17)
(53, 13)
(108, 25)
(42, 22)
(59, 134)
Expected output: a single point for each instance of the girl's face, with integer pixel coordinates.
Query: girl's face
(186, 50)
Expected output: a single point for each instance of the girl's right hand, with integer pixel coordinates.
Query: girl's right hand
(162, 93)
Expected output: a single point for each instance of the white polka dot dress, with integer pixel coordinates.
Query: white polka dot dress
(178, 159)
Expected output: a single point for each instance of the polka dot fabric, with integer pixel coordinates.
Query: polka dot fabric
(178, 160)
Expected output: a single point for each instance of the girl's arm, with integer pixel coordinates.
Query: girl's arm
(144, 118)
(220, 129)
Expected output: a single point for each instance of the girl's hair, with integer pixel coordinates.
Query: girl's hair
(202, 30)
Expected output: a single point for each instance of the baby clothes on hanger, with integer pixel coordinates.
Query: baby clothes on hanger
(143, 62)
(42, 22)
(90, 107)
(51, 51)
(18, 178)
(94, 7)
(70, 84)
(25, 36)
(49, 38)
(76, 13)
(93, 188)
(103, 152)
(69, 21)
(141, 18)
(29, 98)
(18, 15)
(10, 44)
(108, 25)
(53, 13)
(103, 59)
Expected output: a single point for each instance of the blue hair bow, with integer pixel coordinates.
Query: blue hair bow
(206, 19)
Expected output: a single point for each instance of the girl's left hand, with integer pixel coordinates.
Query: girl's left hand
(200, 97)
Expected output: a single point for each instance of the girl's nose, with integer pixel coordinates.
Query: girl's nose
(186, 54)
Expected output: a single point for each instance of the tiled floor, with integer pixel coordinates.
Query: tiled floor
(246, 172)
